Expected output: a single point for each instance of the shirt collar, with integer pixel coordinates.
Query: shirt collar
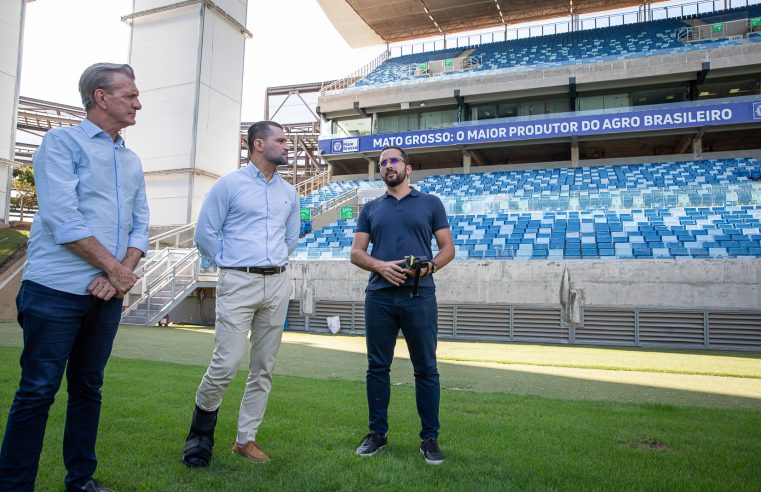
(413, 192)
(92, 130)
(256, 173)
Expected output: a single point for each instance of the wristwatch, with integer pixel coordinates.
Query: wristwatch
(434, 267)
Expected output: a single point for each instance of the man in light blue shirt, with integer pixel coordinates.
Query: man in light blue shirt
(249, 224)
(89, 234)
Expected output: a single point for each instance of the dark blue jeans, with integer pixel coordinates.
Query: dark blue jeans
(68, 332)
(386, 312)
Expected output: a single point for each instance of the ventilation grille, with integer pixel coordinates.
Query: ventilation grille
(671, 328)
(358, 326)
(609, 326)
(531, 324)
(296, 320)
(483, 321)
(323, 309)
(737, 330)
(446, 321)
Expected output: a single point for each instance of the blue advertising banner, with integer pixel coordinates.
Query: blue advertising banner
(662, 118)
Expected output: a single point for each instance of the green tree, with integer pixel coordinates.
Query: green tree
(23, 185)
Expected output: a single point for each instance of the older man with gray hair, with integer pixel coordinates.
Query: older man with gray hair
(87, 238)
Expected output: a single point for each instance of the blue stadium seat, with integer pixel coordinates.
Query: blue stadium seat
(597, 231)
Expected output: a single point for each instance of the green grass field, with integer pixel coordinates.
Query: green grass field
(514, 417)
(10, 240)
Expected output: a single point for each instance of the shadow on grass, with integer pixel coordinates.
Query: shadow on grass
(493, 441)
(194, 347)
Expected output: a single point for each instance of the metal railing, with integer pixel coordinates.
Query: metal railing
(334, 202)
(313, 184)
(569, 25)
(185, 269)
(150, 263)
(156, 241)
(716, 30)
(357, 74)
(440, 67)
(147, 271)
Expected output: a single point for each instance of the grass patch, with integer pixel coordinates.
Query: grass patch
(493, 441)
(10, 240)
(668, 361)
(662, 380)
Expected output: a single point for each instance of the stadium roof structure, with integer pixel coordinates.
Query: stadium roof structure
(370, 22)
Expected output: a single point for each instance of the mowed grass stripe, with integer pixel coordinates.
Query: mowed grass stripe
(493, 441)
(189, 345)
(343, 358)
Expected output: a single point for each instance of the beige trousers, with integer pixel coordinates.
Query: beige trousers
(250, 306)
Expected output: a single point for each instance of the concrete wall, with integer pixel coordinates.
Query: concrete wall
(663, 284)
(11, 37)
(685, 303)
(189, 67)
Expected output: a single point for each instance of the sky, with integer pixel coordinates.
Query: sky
(293, 42)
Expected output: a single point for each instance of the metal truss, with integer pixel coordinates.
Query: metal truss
(35, 117)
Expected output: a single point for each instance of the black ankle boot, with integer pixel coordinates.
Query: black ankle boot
(200, 440)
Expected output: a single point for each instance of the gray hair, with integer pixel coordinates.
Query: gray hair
(100, 76)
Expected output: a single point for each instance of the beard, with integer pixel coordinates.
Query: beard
(396, 179)
(277, 159)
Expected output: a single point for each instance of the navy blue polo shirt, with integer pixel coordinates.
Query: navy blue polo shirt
(400, 228)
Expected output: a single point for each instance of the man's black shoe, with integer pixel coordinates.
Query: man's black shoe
(371, 444)
(91, 486)
(431, 451)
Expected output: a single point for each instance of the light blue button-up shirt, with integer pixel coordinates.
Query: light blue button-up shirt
(87, 185)
(246, 221)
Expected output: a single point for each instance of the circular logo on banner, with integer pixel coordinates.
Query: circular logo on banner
(338, 146)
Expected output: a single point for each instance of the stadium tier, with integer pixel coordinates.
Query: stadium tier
(670, 175)
(596, 220)
(618, 42)
(706, 232)
(336, 189)
(328, 193)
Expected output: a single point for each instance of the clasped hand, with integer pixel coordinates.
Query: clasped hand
(116, 283)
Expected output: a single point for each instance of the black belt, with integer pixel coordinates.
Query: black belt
(268, 270)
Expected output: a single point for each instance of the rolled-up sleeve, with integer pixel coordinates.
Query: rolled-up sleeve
(292, 225)
(56, 180)
(138, 236)
(211, 219)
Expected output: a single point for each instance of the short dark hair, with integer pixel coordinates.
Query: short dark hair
(260, 130)
(405, 157)
(100, 76)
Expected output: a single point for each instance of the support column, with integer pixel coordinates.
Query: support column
(370, 168)
(697, 147)
(574, 152)
(466, 160)
(188, 61)
(295, 152)
(11, 38)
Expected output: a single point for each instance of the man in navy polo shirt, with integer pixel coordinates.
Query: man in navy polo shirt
(400, 224)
